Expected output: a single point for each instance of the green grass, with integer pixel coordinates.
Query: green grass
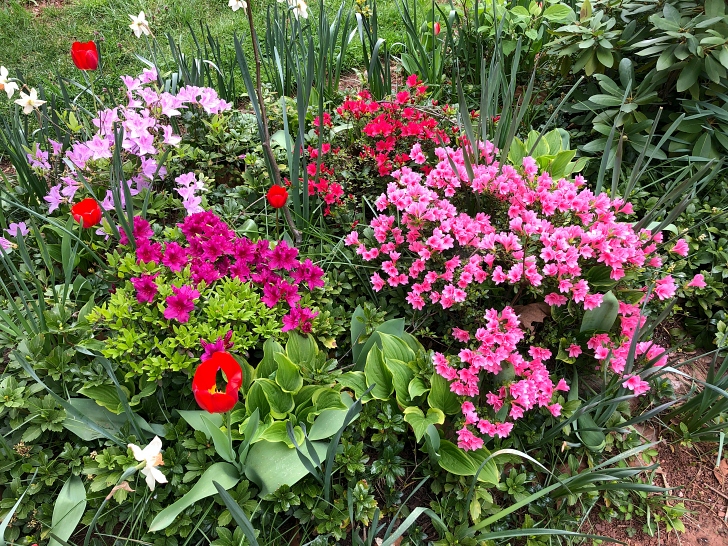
(39, 45)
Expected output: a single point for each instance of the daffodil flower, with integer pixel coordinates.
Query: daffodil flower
(139, 25)
(237, 4)
(5, 84)
(151, 456)
(29, 102)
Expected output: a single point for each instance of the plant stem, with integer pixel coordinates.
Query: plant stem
(265, 137)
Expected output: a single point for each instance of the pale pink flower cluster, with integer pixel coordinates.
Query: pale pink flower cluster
(557, 230)
(148, 132)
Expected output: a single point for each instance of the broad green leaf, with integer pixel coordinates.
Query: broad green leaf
(223, 473)
(219, 439)
(602, 318)
(278, 432)
(594, 439)
(272, 464)
(559, 13)
(441, 397)
(417, 387)
(329, 421)
(68, 510)
(105, 396)
(300, 349)
(356, 382)
(194, 419)
(489, 473)
(689, 75)
(268, 365)
(394, 327)
(378, 374)
(419, 422)
(256, 400)
(401, 377)
(455, 460)
(288, 375)
(394, 347)
(281, 403)
(358, 328)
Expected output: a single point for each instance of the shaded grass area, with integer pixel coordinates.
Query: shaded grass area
(36, 39)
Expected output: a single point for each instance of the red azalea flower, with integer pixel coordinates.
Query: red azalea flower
(87, 212)
(85, 55)
(204, 384)
(277, 197)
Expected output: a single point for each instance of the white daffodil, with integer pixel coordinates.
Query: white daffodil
(139, 25)
(152, 457)
(29, 102)
(6, 85)
(299, 7)
(237, 4)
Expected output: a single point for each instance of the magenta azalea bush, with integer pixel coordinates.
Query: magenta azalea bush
(209, 287)
(553, 232)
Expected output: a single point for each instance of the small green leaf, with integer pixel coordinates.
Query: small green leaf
(219, 439)
(419, 422)
(68, 510)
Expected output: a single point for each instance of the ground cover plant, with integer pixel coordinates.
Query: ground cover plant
(249, 299)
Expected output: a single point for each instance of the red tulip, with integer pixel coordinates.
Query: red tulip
(87, 212)
(277, 196)
(204, 383)
(436, 28)
(85, 55)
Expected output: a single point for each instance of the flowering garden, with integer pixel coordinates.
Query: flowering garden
(308, 285)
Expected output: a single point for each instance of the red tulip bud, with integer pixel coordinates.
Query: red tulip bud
(277, 196)
(87, 212)
(85, 55)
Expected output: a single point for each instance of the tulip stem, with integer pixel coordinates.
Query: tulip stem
(230, 429)
(265, 137)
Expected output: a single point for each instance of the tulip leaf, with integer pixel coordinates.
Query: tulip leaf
(419, 422)
(329, 421)
(223, 473)
(288, 376)
(223, 446)
(378, 375)
(602, 318)
(272, 464)
(68, 510)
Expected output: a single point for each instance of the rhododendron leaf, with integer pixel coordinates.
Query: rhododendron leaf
(278, 432)
(401, 377)
(603, 317)
(223, 473)
(288, 375)
(256, 400)
(378, 375)
(268, 364)
(393, 327)
(441, 397)
(394, 347)
(272, 464)
(194, 419)
(355, 381)
(417, 387)
(419, 422)
(300, 349)
(219, 439)
(281, 403)
(68, 510)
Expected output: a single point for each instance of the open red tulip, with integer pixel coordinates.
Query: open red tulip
(85, 55)
(87, 212)
(277, 196)
(204, 383)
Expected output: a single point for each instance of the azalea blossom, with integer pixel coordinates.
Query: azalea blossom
(140, 25)
(151, 456)
(698, 281)
(238, 4)
(5, 85)
(29, 101)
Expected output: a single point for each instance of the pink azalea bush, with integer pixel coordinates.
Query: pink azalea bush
(544, 240)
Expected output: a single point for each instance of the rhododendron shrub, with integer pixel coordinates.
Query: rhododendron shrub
(149, 121)
(380, 140)
(542, 242)
(228, 289)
